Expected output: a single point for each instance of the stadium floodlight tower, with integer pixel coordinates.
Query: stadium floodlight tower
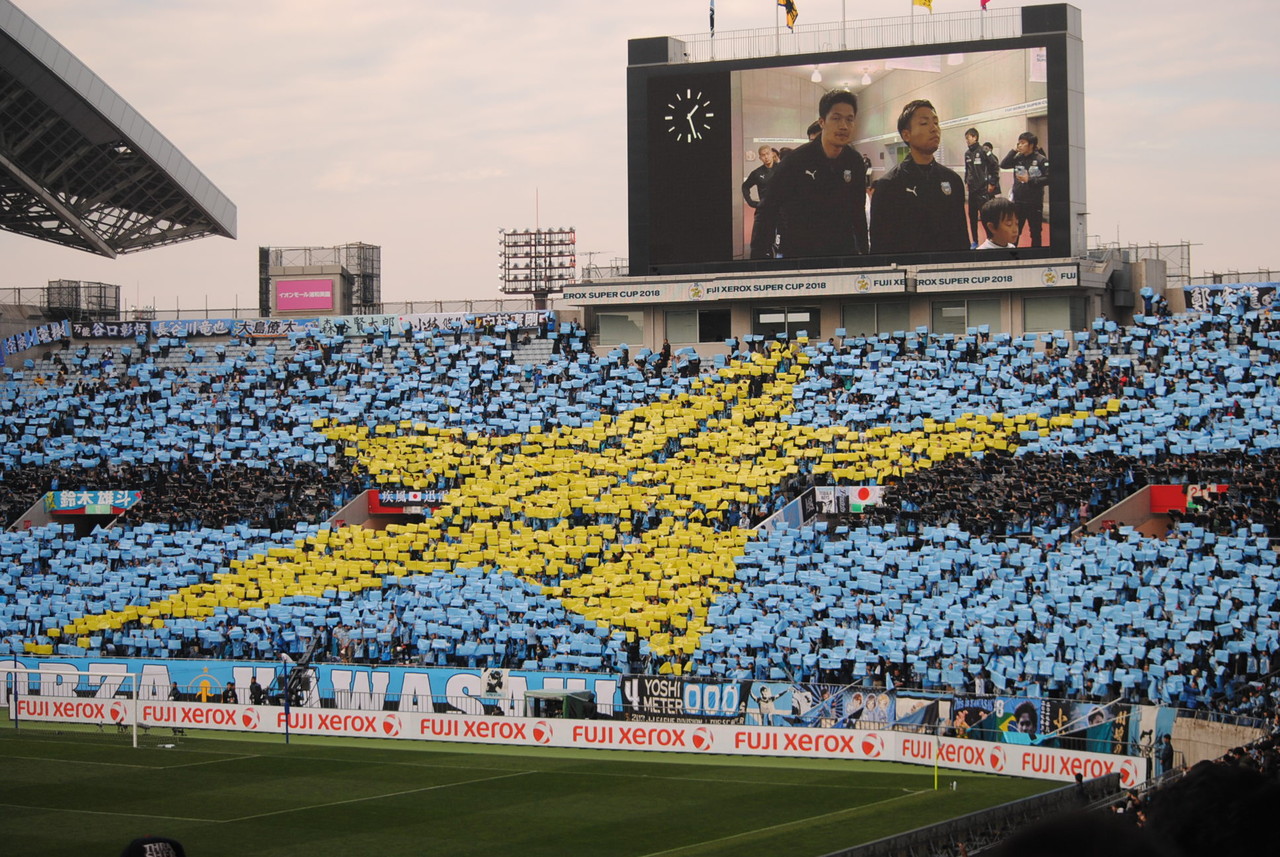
(537, 262)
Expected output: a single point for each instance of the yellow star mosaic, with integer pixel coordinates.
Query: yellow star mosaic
(555, 508)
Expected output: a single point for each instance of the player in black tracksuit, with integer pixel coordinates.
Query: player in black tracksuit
(981, 179)
(1030, 177)
(816, 201)
(760, 176)
(919, 205)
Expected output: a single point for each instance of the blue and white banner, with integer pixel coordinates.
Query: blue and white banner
(56, 331)
(352, 686)
(194, 327)
(1231, 298)
(135, 330)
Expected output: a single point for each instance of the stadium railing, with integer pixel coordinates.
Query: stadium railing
(986, 827)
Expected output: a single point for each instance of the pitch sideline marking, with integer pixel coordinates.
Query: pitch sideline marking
(118, 814)
(784, 824)
(210, 762)
(373, 797)
(82, 762)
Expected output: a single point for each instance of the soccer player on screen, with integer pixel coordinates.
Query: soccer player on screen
(816, 201)
(918, 206)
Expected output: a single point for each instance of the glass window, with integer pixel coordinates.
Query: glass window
(984, 312)
(1053, 313)
(948, 317)
(714, 325)
(789, 320)
(682, 325)
(619, 327)
(893, 316)
(958, 316)
(867, 318)
(708, 325)
(859, 319)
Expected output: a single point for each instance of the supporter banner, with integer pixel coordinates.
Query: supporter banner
(273, 328)
(1010, 719)
(57, 331)
(469, 322)
(797, 513)
(353, 324)
(1089, 726)
(1036, 722)
(403, 502)
(1167, 498)
(111, 329)
(668, 699)
(194, 327)
(1231, 297)
(796, 284)
(91, 502)
(719, 738)
(841, 499)
(975, 279)
(827, 706)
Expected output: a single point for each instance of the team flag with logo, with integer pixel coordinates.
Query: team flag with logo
(792, 14)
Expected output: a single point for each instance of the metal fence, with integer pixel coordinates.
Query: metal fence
(853, 35)
(982, 829)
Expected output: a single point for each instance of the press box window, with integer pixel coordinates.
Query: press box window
(698, 325)
(789, 320)
(870, 318)
(1061, 312)
(616, 328)
(958, 316)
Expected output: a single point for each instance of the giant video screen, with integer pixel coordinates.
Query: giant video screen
(726, 174)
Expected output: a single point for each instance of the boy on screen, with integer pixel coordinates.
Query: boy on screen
(1000, 219)
(816, 200)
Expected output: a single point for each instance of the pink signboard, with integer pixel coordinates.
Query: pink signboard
(304, 294)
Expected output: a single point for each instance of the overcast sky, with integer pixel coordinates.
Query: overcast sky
(425, 127)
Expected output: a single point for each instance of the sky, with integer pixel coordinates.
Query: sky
(426, 127)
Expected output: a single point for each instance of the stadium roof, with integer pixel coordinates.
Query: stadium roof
(80, 167)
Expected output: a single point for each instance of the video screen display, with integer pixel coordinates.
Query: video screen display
(726, 176)
(293, 295)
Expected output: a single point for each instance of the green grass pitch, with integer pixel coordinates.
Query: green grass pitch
(254, 795)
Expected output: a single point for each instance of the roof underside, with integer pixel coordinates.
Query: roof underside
(80, 167)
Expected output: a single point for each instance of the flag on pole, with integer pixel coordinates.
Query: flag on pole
(928, 4)
(713, 17)
(792, 14)
(984, 4)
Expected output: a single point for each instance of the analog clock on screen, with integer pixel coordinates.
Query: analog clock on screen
(689, 116)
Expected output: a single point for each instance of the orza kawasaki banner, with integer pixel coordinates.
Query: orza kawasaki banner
(469, 691)
(707, 738)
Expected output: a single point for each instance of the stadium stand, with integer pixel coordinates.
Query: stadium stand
(600, 508)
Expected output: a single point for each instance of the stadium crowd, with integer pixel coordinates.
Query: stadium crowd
(973, 564)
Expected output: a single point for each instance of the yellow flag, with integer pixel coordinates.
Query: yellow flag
(928, 4)
(792, 14)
